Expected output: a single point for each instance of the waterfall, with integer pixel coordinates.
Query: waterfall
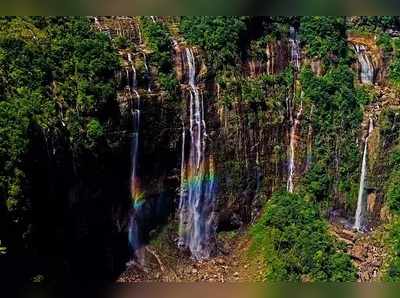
(294, 121)
(360, 201)
(292, 147)
(147, 72)
(136, 194)
(366, 66)
(295, 48)
(197, 199)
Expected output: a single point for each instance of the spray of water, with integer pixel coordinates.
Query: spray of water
(293, 120)
(136, 194)
(196, 207)
(361, 192)
(366, 66)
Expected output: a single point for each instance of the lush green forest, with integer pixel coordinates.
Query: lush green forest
(269, 133)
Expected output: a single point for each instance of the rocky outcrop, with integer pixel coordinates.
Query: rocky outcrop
(278, 56)
(366, 252)
(373, 55)
(276, 60)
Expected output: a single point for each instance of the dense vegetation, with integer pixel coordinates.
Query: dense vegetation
(324, 37)
(59, 115)
(56, 79)
(295, 244)
(336, 116)
(211, 34)
(56, 89)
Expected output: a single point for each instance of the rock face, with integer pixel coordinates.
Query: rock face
(277, 59)
(247, 141)
(373, 55)
(278, 56)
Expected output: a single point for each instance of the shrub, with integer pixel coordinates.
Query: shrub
(94, 129)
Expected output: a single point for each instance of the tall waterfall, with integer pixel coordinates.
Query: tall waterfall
(361, 192)
(294, 120)
(197, 201)
(366, 66)
(136, 195)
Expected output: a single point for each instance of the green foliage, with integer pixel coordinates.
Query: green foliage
(168, 82)
(120, 42)
(365, 95)
(391, 187)
(394, 67)
(393, 191)
(392, 272)
(94, 130)
(55, 80)
(396, 44)
(394, 71)
(324, 37)
(336, 119)
(267, 92)
(218, 36)
(296, 245)
(316, 183)
(385, 42)
(159, 40)
(390, 125)
(374, 23)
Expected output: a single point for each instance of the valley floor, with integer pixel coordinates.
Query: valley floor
(165, 263)
(168, 264)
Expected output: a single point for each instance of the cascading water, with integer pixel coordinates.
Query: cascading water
(294, 121)
(361, 192)
(292, 147)
(136, 195)
(147, 72)
(127, 28)
(294, 48)
(366, 66)
(197, 201)
(309, 141)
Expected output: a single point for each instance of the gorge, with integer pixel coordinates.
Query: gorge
(161, 148)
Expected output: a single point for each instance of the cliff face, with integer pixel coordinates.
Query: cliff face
(259, 134)
(248, 140)
(257, 147)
